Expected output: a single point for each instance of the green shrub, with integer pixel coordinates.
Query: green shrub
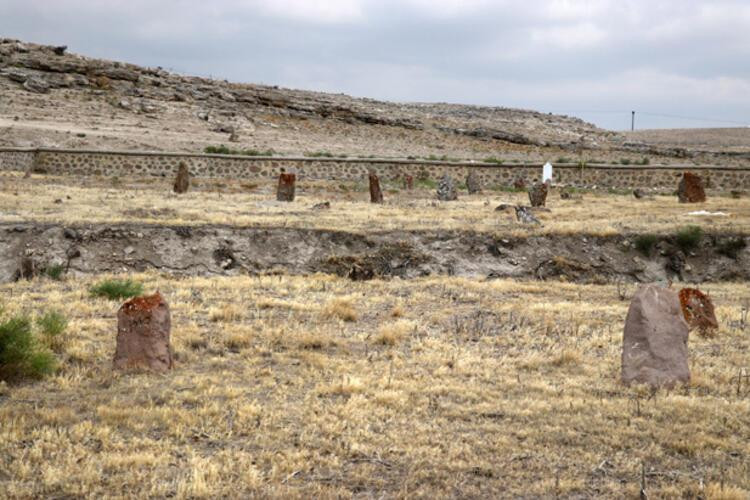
(492, 159)
(731, 247)
(645, 243)
(52, 325)
(21, 355)
(55, 271)
(624, 161)
(319, 154)
(563, 159)
(426, 184)
(689, 237)
(117, 289)
(223, 150)
(643, 161)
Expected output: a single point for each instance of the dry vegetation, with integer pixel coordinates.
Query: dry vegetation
(474, 389)
(61, 199)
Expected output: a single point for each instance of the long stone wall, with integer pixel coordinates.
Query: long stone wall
(124, 164)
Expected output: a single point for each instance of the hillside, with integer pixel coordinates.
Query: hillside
(52, 98)
(57, 99)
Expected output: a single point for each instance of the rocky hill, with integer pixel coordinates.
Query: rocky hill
(53, 98)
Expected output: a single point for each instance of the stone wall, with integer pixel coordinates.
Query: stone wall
(124, 164)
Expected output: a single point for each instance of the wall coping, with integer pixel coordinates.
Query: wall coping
(397, 161)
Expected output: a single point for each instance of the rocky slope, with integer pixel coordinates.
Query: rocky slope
(57, 99)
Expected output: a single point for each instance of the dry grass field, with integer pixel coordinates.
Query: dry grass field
(319, 386)
(301, 387)
(145, 200)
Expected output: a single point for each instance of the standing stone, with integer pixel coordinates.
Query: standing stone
(698, 310)
(182, 182)
(376, 195)
(690, 189)
(538, 194)
(143, 327)
(472, 183)
(285, 191)
(409, 182)
(547, 172)
(519, 184)
(446, 190)
(654, 345)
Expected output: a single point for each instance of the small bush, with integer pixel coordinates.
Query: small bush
(624, 161)
(492, 159)
(341, 309)
(563, 159)
(223, 150)
(116, 289)
(645, 243)
(55, 271)
(689, 237)
(52, 325)
(319, 154)
(21, 355)
(643, 161)
(731, 247)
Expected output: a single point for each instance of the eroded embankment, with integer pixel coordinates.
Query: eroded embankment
(27, 249)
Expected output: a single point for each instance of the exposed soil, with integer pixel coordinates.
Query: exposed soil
(225, 250)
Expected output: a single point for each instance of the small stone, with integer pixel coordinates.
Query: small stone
(538, 194)
(446, 190)
(690, 189)
(472, 183)
(143, 330)
(285, 189)
(638, 193)
(524, 215)
(182, 181)
(128, 250)
(322, 206)
(376, 195)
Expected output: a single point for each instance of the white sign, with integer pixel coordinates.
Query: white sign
(547, 172)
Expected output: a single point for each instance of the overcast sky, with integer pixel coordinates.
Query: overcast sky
(593, 59)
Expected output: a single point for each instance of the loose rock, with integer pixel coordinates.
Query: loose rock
(143, 329)
(654, 347)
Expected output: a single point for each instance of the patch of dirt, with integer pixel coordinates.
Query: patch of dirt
(225, 250)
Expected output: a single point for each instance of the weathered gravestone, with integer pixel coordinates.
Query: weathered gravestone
(690, 189)
(654, 344)
(409, 182)
(538, 194)
(472, 183)
(376, 195)
(446, 190)
(547, 172)
(143, 328)
(182, 181)
(285, 189)
(698, 310)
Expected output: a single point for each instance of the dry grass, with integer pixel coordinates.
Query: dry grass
(226, 202)
(280, 401)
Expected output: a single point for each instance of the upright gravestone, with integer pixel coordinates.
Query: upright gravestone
(285, 189)
(143, 329)
(538, 194)
(690, 189)
(472, 183)
(409, 182)
(654, 344)
(446, 190)
(182, 181)
(547, 173)
(376, 195)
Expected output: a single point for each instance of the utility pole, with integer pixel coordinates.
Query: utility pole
(632, 121)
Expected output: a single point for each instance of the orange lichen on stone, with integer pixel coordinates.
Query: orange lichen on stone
(698, 310)
(143, 303)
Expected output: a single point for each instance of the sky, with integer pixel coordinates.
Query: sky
(676, 63)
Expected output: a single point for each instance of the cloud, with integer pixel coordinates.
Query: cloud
(675, 57)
